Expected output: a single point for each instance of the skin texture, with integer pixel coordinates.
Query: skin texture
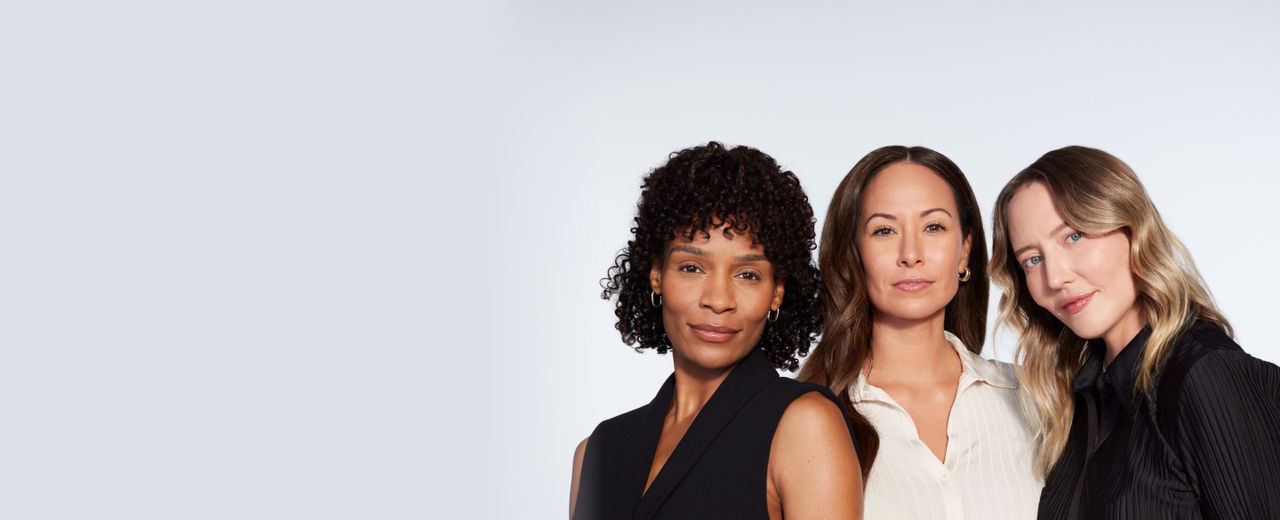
(1062, 265)
(578, 455)
(909, 230)
(813, 468)
(724, 282)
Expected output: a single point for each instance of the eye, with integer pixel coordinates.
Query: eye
(749, 275)
(1032, 261)
(935, 228)
(1074, 237)
(689, 268)
(881, 231)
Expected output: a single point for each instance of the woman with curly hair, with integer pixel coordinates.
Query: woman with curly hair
(1149, 408)
(719, 272)
(903, 260)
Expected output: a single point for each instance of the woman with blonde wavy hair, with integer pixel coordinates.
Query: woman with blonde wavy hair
(1148, 407)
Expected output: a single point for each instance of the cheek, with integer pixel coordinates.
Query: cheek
(875, 261)
(1121, 274)
(1040, 293)
(1108, 264)
(945, 252)
(677, 296)
(874, 274)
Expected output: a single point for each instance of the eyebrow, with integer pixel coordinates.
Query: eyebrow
(688, 249)
(750, 257)
(1032, 246)
(891, 217)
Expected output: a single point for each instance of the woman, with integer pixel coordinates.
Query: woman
(903, 260)
(1149, 408)
(719, 272)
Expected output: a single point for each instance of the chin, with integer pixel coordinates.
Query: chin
(920, 311)
(714, 356)
(1084, 329)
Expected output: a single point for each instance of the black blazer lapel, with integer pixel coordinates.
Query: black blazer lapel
(747, 379)
(645, 444)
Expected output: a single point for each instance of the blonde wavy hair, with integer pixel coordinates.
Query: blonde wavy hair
(1096, 193)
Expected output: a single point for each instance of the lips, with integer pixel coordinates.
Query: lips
(912, 284)
(1076, 303)
(713, 333)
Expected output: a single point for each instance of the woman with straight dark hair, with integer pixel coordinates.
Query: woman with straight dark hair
(903, 261)
(1149, 408)
(720, 273)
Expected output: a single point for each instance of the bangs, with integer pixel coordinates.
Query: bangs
(732, 224)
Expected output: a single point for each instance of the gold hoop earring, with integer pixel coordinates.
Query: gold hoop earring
(773, 315)
(655, 299)
(965, 277)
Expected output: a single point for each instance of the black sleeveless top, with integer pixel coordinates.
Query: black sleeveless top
(718, 469)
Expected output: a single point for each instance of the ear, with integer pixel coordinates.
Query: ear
(778, 291)
(964, 252)
(655, 277)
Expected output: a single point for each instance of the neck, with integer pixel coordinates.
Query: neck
(911, 349)
(694, 386)
(1120, 334)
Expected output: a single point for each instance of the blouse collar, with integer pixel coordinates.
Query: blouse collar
(973, 369)
(1120, 375)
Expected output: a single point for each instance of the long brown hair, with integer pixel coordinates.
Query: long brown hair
(1096, 193)
(846, 331)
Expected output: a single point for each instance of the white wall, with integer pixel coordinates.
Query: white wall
(297, 260)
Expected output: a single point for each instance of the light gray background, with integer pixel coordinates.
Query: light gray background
(341, 260)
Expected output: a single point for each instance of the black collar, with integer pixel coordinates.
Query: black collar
(1120, 374)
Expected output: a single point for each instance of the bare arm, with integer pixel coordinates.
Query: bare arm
(813, 468)
(577, 472)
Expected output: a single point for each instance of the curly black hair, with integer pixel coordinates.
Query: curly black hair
(744, 189)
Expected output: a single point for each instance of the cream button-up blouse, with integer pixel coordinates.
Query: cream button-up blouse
(987, 473)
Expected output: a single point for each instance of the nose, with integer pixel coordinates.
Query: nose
(717, 294)
(1058, 272)
(909, 251)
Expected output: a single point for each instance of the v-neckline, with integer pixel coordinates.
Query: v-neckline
(743, 382)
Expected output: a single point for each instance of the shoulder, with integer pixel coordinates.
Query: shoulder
(1225, 372)
(1208, 374)
(993, 372)
(812, 409)
(1205, 359)
(622, 423)
(812, 414)
(1208, 337)
(801, 400)
(813, 465)
(1009, 371)
(812, 426)
(788, 388)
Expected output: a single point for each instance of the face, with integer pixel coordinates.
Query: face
(1084, 280)
(912, 248)
(716, 295)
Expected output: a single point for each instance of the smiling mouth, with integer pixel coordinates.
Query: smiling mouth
(1077, 304)
(713, 334)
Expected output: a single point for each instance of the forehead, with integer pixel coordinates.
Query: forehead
(714, 239)
(1032, 214)
(905, 188)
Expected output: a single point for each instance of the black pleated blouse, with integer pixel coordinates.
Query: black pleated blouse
(1206, 446)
